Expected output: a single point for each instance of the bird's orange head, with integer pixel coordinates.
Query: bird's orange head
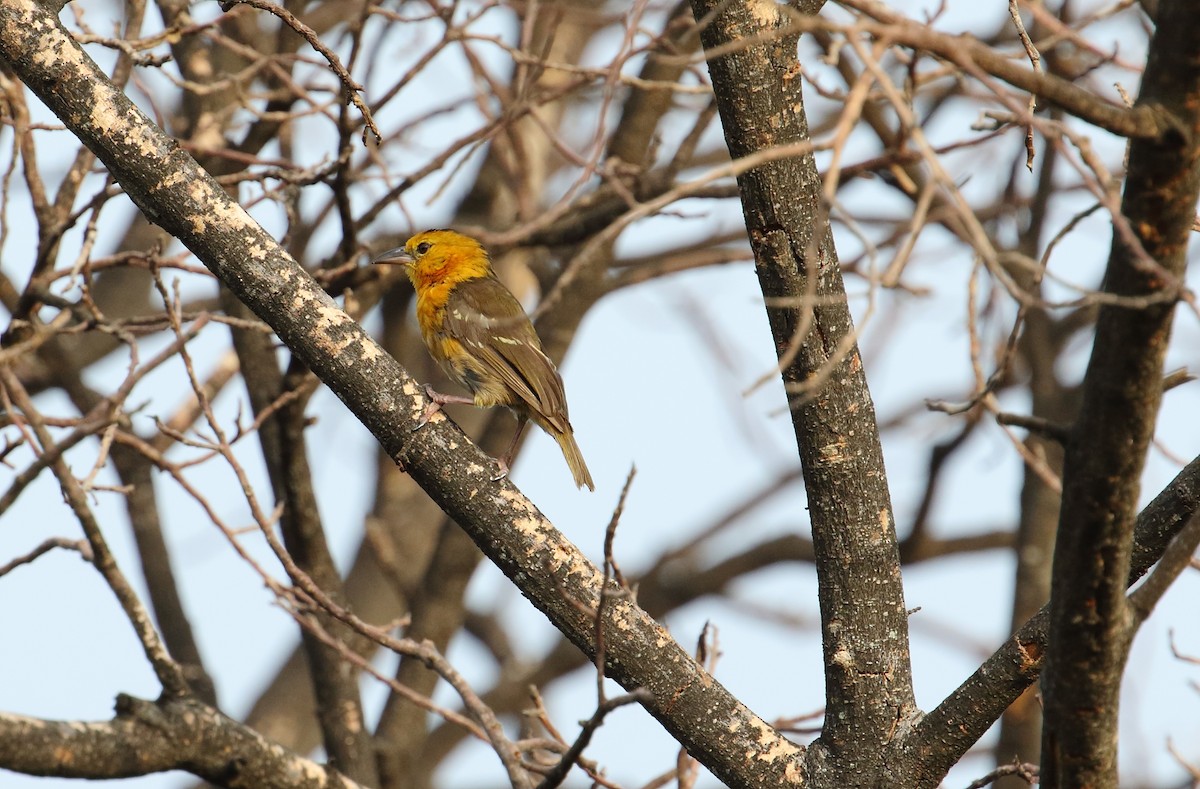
(439, 257)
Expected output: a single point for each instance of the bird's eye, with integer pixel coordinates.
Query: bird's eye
(423, 247)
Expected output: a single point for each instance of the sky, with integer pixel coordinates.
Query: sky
(647, 389)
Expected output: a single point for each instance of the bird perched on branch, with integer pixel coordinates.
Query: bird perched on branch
(477, 331)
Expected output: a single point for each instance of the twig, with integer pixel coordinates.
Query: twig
(170, 674)
(1026, 771)
(611, 573)
(1177, 378)
(560, 770)
(792, 724)
(1192, 769)
(1035, 60)
(610, 532)
(1055, 431)
(85, 551)
(1175, 560)
(1195, 661)
(351, 87)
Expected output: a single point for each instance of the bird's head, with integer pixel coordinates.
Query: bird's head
(439, 256)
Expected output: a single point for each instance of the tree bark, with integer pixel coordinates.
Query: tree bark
(168, 185)
(864, 623)
(1091, 624)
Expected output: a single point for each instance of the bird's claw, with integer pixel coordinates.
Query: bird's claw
(503, 472)
(435, 405)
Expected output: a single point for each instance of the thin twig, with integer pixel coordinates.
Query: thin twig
(170, 674)
(1035, 59)
(560, 770)
(1055, 431)
(85, 551)
(611, 572)
(352, 88)
(1024, 770)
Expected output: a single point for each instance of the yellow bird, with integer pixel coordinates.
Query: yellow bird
(477, 331)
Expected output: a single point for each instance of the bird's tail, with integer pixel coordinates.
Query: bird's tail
(570, 450)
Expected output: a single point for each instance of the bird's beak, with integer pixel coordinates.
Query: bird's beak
(394, 257)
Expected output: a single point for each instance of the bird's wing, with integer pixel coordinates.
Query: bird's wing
(484, 316)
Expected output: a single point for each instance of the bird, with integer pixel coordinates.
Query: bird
(477, 331)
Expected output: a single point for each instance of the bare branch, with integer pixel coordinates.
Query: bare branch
(147, 737)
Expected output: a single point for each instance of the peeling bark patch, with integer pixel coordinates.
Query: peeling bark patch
(329, 321)
(517, 501)
(834, 453)
(171, 180)
(331, 318)
(765, 12)
(370, 352)
(301, 300)
(106, 118)
(527, 520)
(559, 557)
(47, 54)
(1031, 655)
(772, 746)
(620, 618)
(227, 212)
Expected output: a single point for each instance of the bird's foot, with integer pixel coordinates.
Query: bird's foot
(436, 401)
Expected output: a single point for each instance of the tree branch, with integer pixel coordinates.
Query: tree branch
(868, 678)
(168, 185)
(169, 673)
(949, 730)
(1091, 621)
(147, 737)
(1147, 121)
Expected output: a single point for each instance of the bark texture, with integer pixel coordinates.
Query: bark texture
(864, 626)
(170, 188)
(1091, 623)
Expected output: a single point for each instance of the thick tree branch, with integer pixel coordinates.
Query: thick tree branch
(949, 730)
(147, 737)
(864, 623)
(168, 185)
(1091, 621)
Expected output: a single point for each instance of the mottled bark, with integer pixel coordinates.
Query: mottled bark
(864, 624)
(1091, 624)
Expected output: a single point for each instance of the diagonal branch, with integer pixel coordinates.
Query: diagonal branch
(950, 729)
(170, 674)
(1146, 121)
(168, 185)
